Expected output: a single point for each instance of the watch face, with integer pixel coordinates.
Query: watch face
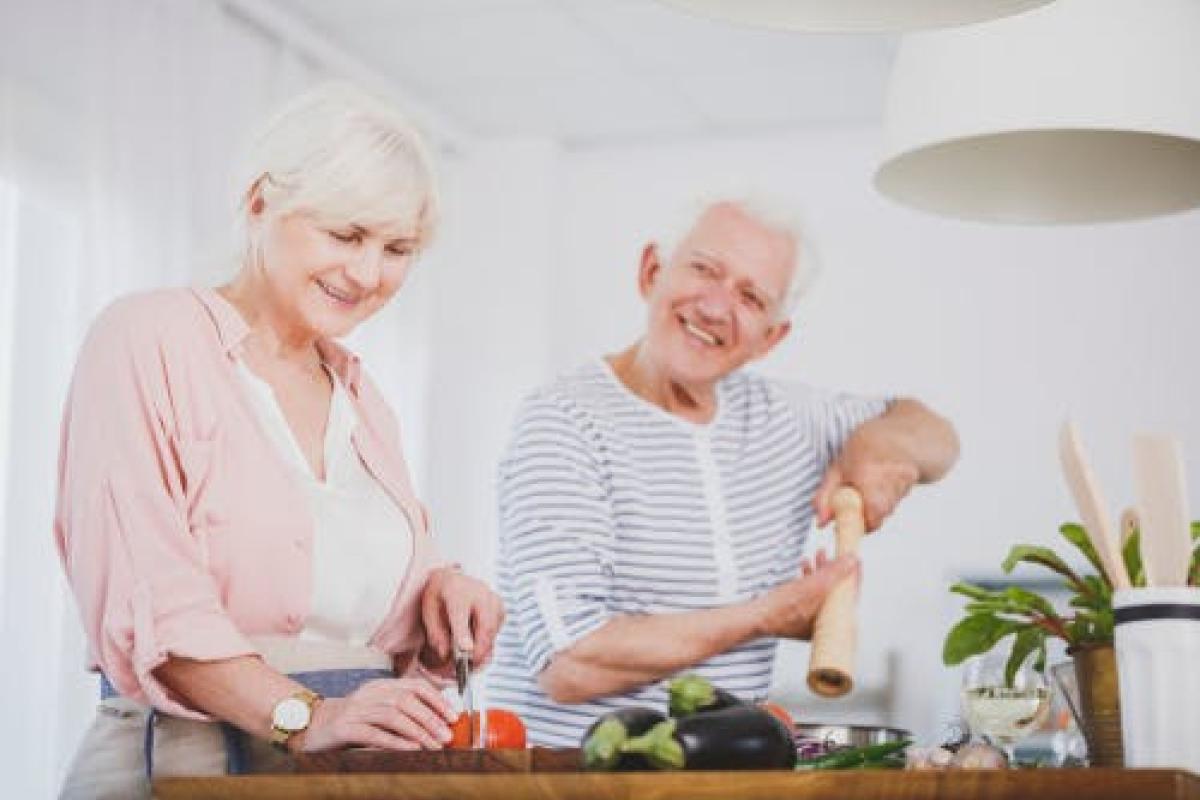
(292, 714)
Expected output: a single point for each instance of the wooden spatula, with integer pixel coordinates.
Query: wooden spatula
(1083, 486)
(1162, 510)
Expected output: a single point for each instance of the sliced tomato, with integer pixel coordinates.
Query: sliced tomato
(780, 713)
(505, 731)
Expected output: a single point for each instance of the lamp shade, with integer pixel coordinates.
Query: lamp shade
(1082, 111)
(827, 16)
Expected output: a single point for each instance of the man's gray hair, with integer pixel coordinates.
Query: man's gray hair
(771, 213)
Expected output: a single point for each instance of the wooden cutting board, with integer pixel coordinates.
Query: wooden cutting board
(534, 759)
(1020, 784)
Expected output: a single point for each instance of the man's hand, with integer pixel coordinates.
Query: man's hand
(882, 472)
(885, 456)
(458, 610)
(789, 610)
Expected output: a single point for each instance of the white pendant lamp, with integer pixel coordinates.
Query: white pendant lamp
(1082, 111)
(827, 16)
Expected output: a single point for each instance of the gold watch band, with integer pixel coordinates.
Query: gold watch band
(281, 736)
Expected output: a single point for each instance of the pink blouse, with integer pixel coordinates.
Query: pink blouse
(180, 527)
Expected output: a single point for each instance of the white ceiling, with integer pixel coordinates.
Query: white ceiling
(593, 72)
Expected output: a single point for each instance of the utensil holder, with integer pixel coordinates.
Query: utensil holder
(1157, 637)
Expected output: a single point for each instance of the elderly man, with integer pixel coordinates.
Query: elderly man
(654, 504)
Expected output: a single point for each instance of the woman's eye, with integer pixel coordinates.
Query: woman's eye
(701, 267)
(400, 250)
(754, 301)
(344, 237)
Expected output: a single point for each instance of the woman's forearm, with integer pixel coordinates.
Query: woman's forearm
(242, 690)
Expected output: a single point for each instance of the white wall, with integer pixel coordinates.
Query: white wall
(1004, 329)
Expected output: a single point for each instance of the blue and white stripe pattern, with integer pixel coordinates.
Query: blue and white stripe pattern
(611, 506)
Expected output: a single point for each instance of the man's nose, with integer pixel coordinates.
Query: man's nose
(715, 302)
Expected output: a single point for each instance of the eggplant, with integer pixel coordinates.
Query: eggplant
(694, 693)
(739, 737)
(601, 746)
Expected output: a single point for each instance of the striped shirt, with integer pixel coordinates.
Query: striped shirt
(610, 505)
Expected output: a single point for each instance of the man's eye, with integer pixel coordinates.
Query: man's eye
(400, 250)
(701, 267)
(345, 238)
(754, 301)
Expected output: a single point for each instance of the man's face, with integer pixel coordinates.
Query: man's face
(715, 306)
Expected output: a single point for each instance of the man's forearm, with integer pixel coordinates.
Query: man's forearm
(928, 438)
(631, 651)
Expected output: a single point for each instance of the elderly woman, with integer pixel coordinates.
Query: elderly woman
(655, 503)
(235, 514)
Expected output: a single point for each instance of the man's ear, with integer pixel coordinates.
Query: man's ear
(649, 269)
(774, 335)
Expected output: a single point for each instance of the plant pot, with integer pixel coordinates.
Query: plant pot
(1099, 708)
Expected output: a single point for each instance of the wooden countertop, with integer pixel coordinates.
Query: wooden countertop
(1024, 784)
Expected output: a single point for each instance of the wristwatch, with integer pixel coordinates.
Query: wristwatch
(292, 715)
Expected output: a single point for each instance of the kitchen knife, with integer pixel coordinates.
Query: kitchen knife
(462, 678)
(1162, 509)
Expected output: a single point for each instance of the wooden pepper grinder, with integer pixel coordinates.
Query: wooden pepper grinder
(835, 632)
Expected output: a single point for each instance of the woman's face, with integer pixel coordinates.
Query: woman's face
(326, 277)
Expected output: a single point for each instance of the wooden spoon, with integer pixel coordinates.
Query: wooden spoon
(1162, 509)
(1083, 486)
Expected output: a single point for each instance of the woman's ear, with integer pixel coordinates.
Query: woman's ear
(256, 204)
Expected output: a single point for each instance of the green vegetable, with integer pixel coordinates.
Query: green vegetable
(689, 694)
(992, 615)
(888, 755)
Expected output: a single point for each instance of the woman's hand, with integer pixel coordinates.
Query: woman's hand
(458, 610)
(393, 714)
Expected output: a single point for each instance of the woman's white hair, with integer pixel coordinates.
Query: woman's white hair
(345, 156)
(773, 214)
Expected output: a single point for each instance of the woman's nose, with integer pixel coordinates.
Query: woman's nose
(366, 268)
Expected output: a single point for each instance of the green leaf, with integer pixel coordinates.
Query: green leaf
(973, 635)
(1031, 600)
(1027, 640)
(972, 591)
(1042, 556)
(1131, 554)
(1077, 535)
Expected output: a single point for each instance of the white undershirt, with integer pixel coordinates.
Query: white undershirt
(362, 540)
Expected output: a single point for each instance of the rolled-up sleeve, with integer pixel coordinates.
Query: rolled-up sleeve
(830, 417)
(556, 530)
(138, 573)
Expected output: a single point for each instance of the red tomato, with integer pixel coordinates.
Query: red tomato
(505, 731)
(780, 713)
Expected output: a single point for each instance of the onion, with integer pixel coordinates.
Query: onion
(927, 758)
(978, 755)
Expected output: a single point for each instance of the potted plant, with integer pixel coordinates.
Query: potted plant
(1086, 626)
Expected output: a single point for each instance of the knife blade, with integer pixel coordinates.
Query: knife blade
(462, 678)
